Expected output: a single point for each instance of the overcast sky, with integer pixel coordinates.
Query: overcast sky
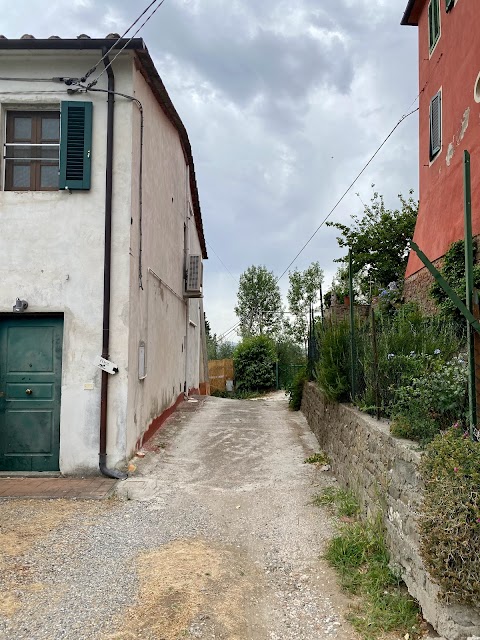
(284, 102)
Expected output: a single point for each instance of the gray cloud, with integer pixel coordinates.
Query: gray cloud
(284, 102)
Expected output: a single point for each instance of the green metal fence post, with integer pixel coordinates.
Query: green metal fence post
(352, 324)
(472, 409)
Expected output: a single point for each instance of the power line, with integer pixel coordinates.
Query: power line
(404, 117)
(94, 68)
(222, 262)
(339, 201)
(94, 82)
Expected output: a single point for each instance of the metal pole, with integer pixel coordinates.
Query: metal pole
(276, 375)
(352, 325)
(472, 409)
(375, 364)
(322, 314)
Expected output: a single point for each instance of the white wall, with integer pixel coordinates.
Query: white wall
(52, 247)
(158, 313)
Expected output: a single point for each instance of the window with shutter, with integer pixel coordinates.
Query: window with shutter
(433, 23)
(31, 150)
(435, 125)
(75, 145)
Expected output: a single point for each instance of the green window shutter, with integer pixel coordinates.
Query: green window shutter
(435, 125)
(450, 4)
(75, 145)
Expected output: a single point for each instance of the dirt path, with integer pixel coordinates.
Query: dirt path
(217, 540)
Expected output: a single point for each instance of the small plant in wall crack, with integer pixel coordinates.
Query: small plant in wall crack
(343, 501)
(361, 558)
(319, 458)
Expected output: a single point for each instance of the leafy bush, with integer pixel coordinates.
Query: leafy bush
(332, 370)
(449, 523)
(432, 402)
(295, 390)
(453, 270)
(406, 343)
(254, 364)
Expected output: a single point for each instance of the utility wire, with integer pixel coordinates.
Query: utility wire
(94, 82)
(222, 262)
(345, 193)
(29, 79)
(94, 68)
(333, 209)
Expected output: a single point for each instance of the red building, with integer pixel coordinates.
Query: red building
(449, 83)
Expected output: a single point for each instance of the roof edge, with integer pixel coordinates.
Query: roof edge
(72, 44)
(406, 20)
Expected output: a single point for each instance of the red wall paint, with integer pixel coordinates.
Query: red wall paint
(453, 67)
(158, 422)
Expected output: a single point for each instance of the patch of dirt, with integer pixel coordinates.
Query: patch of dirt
(192, 589)
(23, 523)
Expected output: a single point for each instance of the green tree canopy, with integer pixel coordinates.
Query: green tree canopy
(259, 304)
(303, 294)
(379, 241)
(254, 362)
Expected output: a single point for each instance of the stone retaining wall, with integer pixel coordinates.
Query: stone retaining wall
(382, 472)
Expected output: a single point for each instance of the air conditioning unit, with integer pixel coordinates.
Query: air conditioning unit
(194, 280)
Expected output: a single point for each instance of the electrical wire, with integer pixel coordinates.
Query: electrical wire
(94, 68)
(140, 170)
(29, 93)
(28, 79)
(94, 82)
(333, 209)
(222, 262)
(340, 200)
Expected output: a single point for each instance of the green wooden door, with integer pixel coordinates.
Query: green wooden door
(30, 387)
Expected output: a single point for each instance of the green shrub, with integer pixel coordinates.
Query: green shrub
(449, 521)
(453, 270)
(432, 402)
(295, 390)
(332, 369)
(254, 363)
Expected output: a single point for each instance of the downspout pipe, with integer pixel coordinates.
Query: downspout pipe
(109, 473)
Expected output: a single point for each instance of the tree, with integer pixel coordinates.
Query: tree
(212, 344)
(303, 294)
(254, 362)
(379, 242)
(225, 350)
(217, 350)
(259, 304)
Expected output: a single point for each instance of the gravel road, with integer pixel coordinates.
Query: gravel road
(213, 537)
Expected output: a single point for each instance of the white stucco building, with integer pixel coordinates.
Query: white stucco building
(101, 235)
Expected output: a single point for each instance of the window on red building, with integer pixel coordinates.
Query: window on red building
(433, 23)
(435, 125)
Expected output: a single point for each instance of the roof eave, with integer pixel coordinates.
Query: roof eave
(151, 75)
(73, 44)
(407, 16)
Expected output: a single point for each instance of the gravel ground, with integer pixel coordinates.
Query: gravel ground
(213, 537)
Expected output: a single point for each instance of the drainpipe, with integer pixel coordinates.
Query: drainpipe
(109, 473)
(186, 254)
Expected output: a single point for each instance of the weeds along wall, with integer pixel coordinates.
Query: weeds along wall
(383, 473)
